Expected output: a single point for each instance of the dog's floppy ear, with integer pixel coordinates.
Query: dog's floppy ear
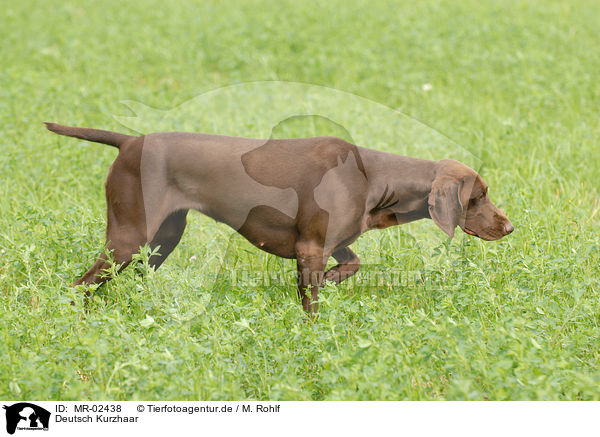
(447, 202)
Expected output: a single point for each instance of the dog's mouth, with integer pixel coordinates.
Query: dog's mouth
(470, 232)
(486, 236)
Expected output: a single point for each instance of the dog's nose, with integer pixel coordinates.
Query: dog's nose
(508, 228)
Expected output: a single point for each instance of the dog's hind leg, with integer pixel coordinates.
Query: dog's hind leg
(168, 236)
(126, 219)
(125, 241)
(94, 274)
(122, 245)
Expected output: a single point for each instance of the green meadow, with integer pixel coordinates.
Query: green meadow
(513, 84)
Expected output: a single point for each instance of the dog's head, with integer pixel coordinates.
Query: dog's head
(459, 197)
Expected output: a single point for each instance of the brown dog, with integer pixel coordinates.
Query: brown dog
(304, 198)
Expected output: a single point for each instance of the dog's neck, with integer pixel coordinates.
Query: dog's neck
(391, 200)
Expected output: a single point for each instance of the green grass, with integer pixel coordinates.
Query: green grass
(514, 82)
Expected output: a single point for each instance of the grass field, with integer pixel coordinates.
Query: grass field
(515, 83)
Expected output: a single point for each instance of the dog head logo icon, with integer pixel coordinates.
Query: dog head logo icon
(26, 416)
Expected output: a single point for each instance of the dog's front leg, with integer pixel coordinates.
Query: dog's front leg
(348, 264)
(311, 261)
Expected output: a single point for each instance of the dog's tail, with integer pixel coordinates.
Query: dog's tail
(96, 135)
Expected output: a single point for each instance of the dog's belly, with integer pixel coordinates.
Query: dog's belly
(271, 230)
